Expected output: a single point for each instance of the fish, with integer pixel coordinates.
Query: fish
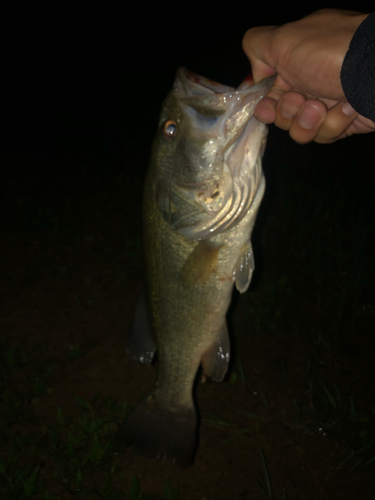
(202, 192)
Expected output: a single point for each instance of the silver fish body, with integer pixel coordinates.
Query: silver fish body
(203, 189)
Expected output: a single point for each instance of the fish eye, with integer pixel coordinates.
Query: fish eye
(170, 130)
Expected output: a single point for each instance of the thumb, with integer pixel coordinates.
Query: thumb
(257, 45)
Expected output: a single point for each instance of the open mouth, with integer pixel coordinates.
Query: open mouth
(218, 88)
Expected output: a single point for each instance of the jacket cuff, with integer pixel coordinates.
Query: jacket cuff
(358, 69)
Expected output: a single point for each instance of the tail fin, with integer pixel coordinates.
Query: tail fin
(161, 433)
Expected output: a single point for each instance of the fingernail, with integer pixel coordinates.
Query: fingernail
(309, 117)
(347, 109)
(289, 108)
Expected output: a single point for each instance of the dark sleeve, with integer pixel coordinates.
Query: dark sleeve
(358, 69)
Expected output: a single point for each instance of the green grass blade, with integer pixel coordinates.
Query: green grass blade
(170, 493)
(329, 395)
(135, 488)
(265, 482)
(29, 484)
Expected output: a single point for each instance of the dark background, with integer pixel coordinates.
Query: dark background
(74, 78)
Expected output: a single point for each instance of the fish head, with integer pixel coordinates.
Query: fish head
(207, 152)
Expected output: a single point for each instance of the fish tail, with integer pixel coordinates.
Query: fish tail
(160, 433)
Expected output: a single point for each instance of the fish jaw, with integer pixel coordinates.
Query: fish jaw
(216, 167)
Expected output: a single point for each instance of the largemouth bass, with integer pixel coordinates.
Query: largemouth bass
(202, 193)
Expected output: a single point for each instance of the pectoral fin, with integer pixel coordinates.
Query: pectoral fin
(199, 265)
(216, 359)
(244, 268)
(140, 345)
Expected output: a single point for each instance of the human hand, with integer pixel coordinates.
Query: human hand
(307, 96)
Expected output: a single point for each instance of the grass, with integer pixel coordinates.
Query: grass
(136, 494)
(74, 454)
(325, 261)
(333, 228)
(78, 447)
(265, 481)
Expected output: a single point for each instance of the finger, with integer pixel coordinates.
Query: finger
(279, 88)
(265, 111)
(338, 120)
(287, 108)
(257, 45)
(306, 124)
(260, 70)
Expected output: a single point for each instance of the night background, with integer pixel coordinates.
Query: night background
(80, 96)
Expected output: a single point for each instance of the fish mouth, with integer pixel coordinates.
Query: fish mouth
(222, 200)
(201, 81)
(201, 84)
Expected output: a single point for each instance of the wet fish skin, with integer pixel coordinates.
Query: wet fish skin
(203, 188)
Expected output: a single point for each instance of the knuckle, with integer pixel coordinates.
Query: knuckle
(334, 125)
(282, 123)
(301, 138)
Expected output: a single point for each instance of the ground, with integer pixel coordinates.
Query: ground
(294, 417)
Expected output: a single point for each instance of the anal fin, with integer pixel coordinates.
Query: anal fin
(140, 345)
(216, 359)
